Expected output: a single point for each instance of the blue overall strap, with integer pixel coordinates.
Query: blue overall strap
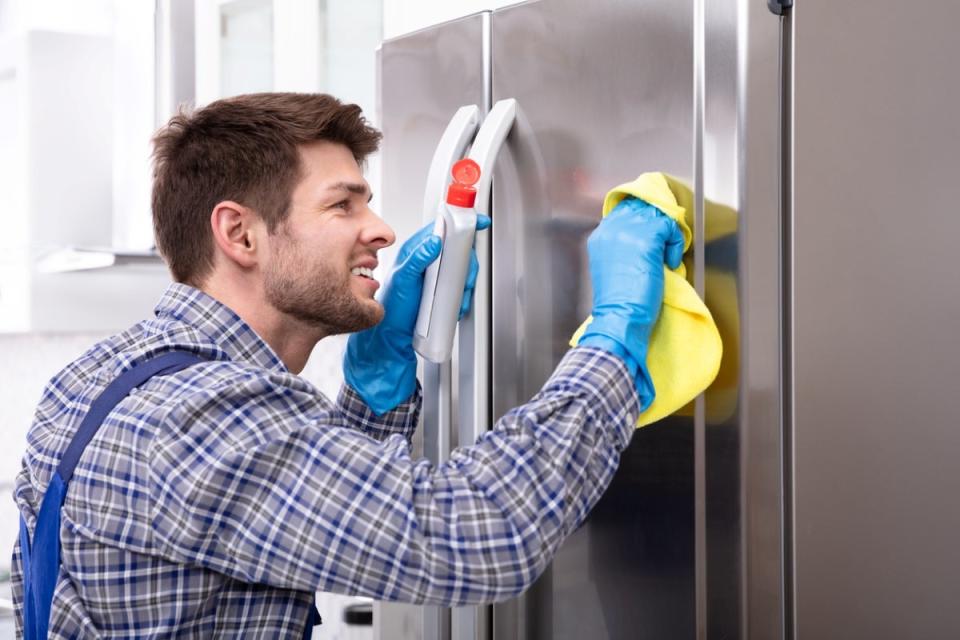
(41, 559)
(169, 362)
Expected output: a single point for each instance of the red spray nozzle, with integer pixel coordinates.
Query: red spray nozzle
(461, 193)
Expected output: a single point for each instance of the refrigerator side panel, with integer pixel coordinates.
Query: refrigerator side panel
(424, 78)
(877, 306)
(602, 97)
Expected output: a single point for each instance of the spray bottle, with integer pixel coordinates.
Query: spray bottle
(445, 278)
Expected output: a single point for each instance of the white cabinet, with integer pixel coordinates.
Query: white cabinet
(246, 46)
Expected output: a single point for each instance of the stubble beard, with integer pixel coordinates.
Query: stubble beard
(318, 295)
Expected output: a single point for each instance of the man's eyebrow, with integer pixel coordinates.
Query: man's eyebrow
(353, 187)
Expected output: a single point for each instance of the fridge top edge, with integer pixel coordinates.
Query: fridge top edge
(402, 36)
(506, 7)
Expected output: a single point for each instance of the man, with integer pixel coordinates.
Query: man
(216, 499)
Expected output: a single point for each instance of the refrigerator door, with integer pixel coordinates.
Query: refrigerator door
(425, 79)
(688, 540)
(604, 94)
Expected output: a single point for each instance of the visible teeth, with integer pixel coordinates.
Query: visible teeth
(362, 271)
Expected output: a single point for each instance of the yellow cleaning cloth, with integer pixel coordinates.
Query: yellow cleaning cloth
(685, 347)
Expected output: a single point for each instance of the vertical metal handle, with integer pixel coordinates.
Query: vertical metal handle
(474, 348)
(474, 329)
(453, 144)
(437, 378)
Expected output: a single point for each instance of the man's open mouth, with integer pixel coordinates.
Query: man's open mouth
(362, 271)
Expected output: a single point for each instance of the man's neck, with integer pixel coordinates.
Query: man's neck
(291, 339)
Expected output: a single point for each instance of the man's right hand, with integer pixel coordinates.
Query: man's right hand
(379, 363)
(627, 252)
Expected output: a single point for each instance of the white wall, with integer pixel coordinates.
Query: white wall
(134, 121)
(402, 16)
(67, 16)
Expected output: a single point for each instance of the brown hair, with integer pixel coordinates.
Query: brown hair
(244, 149)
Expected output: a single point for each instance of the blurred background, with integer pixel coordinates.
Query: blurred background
(83, 85)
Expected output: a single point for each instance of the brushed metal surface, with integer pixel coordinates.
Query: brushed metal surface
(718, 207)
(742, 240)
(423, 79)
(877, 302)
(699, 268)
(758, 416)
(630, 569)
(601, 100)
(474, 352)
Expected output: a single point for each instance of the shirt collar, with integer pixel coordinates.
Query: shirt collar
(217, 321)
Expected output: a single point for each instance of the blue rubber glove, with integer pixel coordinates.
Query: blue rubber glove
(627, 252)
(380, 363)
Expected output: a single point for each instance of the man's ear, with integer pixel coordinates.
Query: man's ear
(236, 232)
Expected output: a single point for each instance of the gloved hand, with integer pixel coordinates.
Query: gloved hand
(380, 363)
(627, 252)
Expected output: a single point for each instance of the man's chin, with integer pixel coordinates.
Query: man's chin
(364, 314)
(373, 312)
(353, 316)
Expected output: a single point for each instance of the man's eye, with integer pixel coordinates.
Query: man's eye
(343, 204)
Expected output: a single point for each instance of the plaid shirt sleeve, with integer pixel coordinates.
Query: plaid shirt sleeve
(264, 483)
(16, 587)
(400, 421)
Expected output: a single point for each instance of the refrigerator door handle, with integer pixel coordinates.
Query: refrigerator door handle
(475, 341)
(437, 379)
(453, 144)
(486, 147)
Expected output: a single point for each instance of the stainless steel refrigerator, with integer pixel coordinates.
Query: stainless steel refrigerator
(811, 492)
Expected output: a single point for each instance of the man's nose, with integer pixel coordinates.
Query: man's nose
(378, 232)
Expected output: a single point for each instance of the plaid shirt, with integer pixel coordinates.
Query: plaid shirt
(215, 500)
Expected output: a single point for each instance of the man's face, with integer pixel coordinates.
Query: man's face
(322, 256)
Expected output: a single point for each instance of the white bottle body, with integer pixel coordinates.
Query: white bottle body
(443, 283)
